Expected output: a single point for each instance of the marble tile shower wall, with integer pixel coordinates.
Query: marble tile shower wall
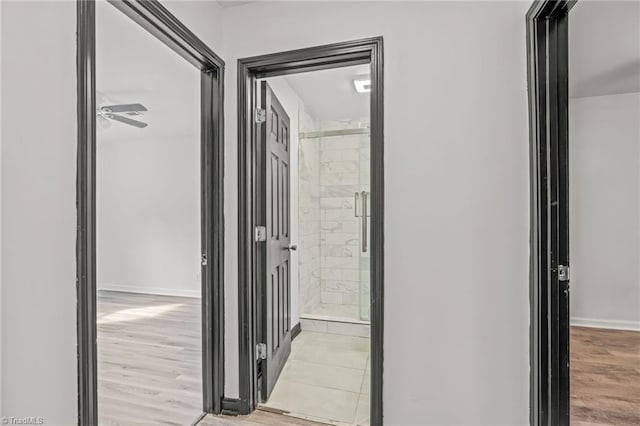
(344, 170)
(309, 217)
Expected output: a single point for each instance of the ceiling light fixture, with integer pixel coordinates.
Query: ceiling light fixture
(362, 86)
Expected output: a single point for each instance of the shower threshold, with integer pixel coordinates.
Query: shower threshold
(334, 325)
(333, 318)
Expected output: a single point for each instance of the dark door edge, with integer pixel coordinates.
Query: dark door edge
(547, 69)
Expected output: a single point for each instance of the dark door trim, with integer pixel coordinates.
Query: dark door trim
(151, 15)
(547, 64)
(367, 51)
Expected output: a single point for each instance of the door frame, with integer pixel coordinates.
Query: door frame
(547, 66)
(158, 21)
(365, 51)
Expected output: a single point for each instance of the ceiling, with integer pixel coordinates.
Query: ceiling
(232, 3)
(330, 94)
(132, 66)
(604, 48)
(604, 38)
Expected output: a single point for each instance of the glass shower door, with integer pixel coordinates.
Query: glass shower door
(334, 253)
(365, 263)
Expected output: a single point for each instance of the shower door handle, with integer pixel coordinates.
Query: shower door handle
(363, 217)
(361, 199)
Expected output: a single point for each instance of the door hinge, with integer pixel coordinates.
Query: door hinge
(261, 351)
(261, 233)
(563, 273)
(203, 259)
(261, 115)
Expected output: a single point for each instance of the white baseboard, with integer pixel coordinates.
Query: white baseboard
(611, 324)
(177, 292)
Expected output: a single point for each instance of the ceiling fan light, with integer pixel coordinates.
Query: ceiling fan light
(362, 86)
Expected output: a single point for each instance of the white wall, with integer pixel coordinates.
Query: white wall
(204, 18)
(604, 58)
(456, 172)
(38, 201)
(308, 214)
(148, 214)
(605, 210)
(148, 180)
(38, 210)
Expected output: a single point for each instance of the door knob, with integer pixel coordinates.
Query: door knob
(291, 247)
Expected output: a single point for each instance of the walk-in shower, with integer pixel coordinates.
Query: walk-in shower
(334, 193)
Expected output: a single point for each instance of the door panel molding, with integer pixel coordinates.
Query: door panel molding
(152, 16)
(366, 51)
(547, 66)
(274, 328)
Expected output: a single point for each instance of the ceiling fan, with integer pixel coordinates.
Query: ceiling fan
(120, 113)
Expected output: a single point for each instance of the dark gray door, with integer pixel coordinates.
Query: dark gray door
(276, 294)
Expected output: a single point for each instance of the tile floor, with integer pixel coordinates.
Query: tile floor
(326, 379)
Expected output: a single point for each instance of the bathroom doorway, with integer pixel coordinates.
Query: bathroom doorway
(315, 235)
(315, 326)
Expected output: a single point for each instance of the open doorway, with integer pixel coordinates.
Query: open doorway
(584, 79)
(150, 228)
(149, 337)
(317, 125)
(312, 305)
(604, 206)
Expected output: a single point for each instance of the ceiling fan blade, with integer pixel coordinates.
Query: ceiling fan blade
(123, 108)
(128, 121)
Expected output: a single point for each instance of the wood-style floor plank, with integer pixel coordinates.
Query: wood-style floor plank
(605, 377)
(149, 359)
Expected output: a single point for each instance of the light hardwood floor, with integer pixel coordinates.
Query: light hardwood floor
(605, 377)
(149, 359)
